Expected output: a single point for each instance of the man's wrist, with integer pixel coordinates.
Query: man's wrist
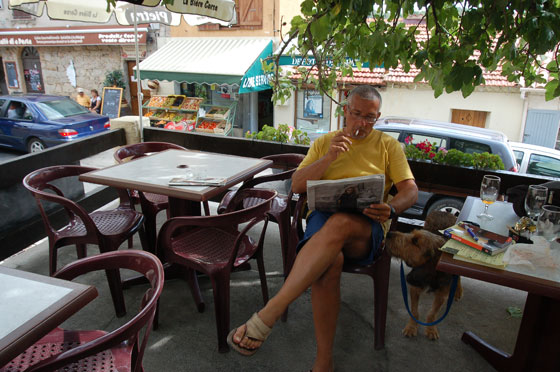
(393, 211)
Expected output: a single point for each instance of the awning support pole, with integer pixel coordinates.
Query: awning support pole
(138, 81)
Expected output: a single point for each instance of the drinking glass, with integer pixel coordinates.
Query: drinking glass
(548, 225)
(489, 190)
(535, 199)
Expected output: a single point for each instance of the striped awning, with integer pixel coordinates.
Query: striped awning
(205, 60)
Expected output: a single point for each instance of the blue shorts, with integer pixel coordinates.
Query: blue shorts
(315, 222)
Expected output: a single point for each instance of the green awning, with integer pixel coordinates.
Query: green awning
(255, 79)
(206, 60)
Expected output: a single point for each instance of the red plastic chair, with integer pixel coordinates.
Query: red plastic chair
(280, 209)
(214, 246)
(151, 203)
(107, 229)
(378, 271)
(120, 350)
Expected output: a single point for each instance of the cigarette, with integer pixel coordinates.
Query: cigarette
(356, 132)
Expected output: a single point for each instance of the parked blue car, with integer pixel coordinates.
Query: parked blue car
(33, 122)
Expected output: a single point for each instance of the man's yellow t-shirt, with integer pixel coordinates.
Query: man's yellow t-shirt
(83, 100)
(378, 153)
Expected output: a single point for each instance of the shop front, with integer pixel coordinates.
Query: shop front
(222, 77)
(60, 60)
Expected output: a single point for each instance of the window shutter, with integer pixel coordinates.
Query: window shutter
(209, 27)
(250, 12)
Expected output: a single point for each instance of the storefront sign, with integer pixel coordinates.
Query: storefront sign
(255, 79)
(129, 51)
(70, 37)
(159, 14)
(310, 61)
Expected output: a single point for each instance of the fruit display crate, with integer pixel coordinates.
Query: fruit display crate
(173, 112)
(216, 119)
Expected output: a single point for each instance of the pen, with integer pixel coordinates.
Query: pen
(471, 233)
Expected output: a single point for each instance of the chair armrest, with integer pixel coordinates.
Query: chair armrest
(268, 178)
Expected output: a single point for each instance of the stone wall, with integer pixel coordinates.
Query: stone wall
(91, 64)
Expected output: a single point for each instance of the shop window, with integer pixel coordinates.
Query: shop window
(313, 112)
(248, 16)
(32, 71)
(469, 117)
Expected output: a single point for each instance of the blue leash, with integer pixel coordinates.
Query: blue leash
(450, 299)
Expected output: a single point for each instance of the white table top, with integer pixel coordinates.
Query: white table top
(504, 216)
(32, 305)
(503, 213)
(153, 173)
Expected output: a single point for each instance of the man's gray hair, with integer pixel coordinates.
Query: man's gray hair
(366, 92)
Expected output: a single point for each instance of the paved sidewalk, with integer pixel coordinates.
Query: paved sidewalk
(186, 339)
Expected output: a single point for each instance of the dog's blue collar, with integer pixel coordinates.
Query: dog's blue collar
(450, 299)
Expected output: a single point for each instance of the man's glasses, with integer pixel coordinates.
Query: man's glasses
(367, 119)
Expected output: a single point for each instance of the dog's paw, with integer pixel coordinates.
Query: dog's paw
(410, 330)
(432, 333)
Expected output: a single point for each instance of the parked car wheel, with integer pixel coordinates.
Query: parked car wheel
(35, 145)
(449, 205)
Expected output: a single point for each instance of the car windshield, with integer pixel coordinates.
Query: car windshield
(60, 108)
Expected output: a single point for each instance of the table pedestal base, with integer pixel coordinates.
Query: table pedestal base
(538, 341)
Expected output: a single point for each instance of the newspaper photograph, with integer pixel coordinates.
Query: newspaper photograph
(347, 194)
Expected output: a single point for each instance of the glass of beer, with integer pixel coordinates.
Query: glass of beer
(489, 190)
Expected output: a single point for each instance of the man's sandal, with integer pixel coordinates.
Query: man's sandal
(255, 330)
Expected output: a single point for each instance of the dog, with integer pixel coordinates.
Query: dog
(419, 249)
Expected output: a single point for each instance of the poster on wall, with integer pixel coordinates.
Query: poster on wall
(11, 74)
(312, 104)
(33, 78)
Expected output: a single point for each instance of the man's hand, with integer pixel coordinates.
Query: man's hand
(340, 143)
(378, 212)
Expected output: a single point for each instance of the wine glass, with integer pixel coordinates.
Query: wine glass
(489, 190)
(535, 199)
(548, 225)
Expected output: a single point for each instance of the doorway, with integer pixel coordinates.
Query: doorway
(134, 88)
(32, 71)
(541, 128)
(266, 108)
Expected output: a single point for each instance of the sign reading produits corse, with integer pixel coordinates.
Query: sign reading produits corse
(58, 37)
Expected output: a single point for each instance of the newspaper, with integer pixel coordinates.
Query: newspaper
(206, 181)
(347, 194)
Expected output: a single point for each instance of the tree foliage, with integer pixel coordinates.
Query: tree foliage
(462, 38)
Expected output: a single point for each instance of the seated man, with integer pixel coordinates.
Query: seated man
(331, 238)
(14, 112)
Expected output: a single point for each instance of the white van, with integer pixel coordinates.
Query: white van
(539, 160)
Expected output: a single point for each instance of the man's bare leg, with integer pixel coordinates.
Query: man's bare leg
(325, 300)
(342, 230)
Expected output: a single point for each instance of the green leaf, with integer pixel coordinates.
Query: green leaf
(551, 90)
(467, 89)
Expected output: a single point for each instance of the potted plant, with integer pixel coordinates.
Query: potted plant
(115, 79)
(283, 134)
(429, 152)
